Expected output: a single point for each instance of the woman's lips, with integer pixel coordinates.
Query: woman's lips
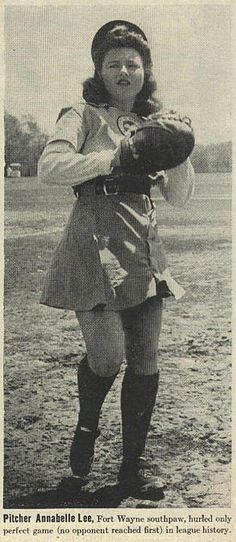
(124, 82)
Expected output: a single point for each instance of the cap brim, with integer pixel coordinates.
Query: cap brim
(101, 33)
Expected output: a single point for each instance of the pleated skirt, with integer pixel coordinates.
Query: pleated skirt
(110, 256)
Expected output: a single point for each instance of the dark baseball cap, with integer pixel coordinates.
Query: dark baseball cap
(100, 35)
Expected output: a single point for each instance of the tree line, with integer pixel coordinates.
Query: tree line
(24, 143)
(214, 158)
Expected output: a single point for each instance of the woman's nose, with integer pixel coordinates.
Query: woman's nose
(124, 70)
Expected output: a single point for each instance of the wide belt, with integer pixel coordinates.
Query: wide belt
(112, 185)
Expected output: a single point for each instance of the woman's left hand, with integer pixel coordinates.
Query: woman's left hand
(169, 115)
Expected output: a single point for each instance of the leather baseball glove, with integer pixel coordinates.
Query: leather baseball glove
(163, 142)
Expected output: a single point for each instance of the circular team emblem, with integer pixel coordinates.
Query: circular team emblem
(127, 125)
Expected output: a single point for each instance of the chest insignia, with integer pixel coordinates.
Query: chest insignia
(128, 125)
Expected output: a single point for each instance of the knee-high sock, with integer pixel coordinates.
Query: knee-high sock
(138, 397)
(92, 392)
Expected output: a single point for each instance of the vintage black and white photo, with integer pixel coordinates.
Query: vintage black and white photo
(117, 303)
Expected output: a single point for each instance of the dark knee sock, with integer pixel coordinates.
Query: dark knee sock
(138, 396)
(92, 392)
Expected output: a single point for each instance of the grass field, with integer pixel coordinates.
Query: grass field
(190, 433)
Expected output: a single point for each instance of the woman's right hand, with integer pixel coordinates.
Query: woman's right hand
(115, 163)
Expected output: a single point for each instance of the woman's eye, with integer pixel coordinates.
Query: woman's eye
(133, 67)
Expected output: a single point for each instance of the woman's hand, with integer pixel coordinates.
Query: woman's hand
(169, 115)
(116, 162)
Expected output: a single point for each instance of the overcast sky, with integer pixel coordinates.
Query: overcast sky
(48, 56)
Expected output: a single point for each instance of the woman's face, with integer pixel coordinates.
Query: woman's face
(123, 73)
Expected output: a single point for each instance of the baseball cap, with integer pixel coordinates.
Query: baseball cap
(100, 35)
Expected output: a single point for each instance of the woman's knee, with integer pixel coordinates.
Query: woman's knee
(104, 341)
(143, 366)
(104, 366)
(104, 357)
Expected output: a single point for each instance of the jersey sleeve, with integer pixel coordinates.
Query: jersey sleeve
(71, 127)
(63, 162)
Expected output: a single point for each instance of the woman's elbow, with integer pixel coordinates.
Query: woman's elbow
(45, 170)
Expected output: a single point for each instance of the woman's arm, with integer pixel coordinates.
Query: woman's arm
(178, 187)
(62, 163)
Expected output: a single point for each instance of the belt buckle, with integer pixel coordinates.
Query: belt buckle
(110, 187)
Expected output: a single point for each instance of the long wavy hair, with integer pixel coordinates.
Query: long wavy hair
(94, 90)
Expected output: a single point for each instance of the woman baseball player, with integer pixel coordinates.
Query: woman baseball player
(110, 267)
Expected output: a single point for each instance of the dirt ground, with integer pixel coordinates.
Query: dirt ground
(190, 436)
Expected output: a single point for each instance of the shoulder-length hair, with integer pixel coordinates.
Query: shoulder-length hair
(94, 90)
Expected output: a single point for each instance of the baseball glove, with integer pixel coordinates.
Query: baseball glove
(163, 142)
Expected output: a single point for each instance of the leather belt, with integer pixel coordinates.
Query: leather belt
(112, 185)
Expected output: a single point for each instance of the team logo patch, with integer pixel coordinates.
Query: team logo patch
(127, 125)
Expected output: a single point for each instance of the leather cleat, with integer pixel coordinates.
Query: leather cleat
(82, 452)
(137, 480)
